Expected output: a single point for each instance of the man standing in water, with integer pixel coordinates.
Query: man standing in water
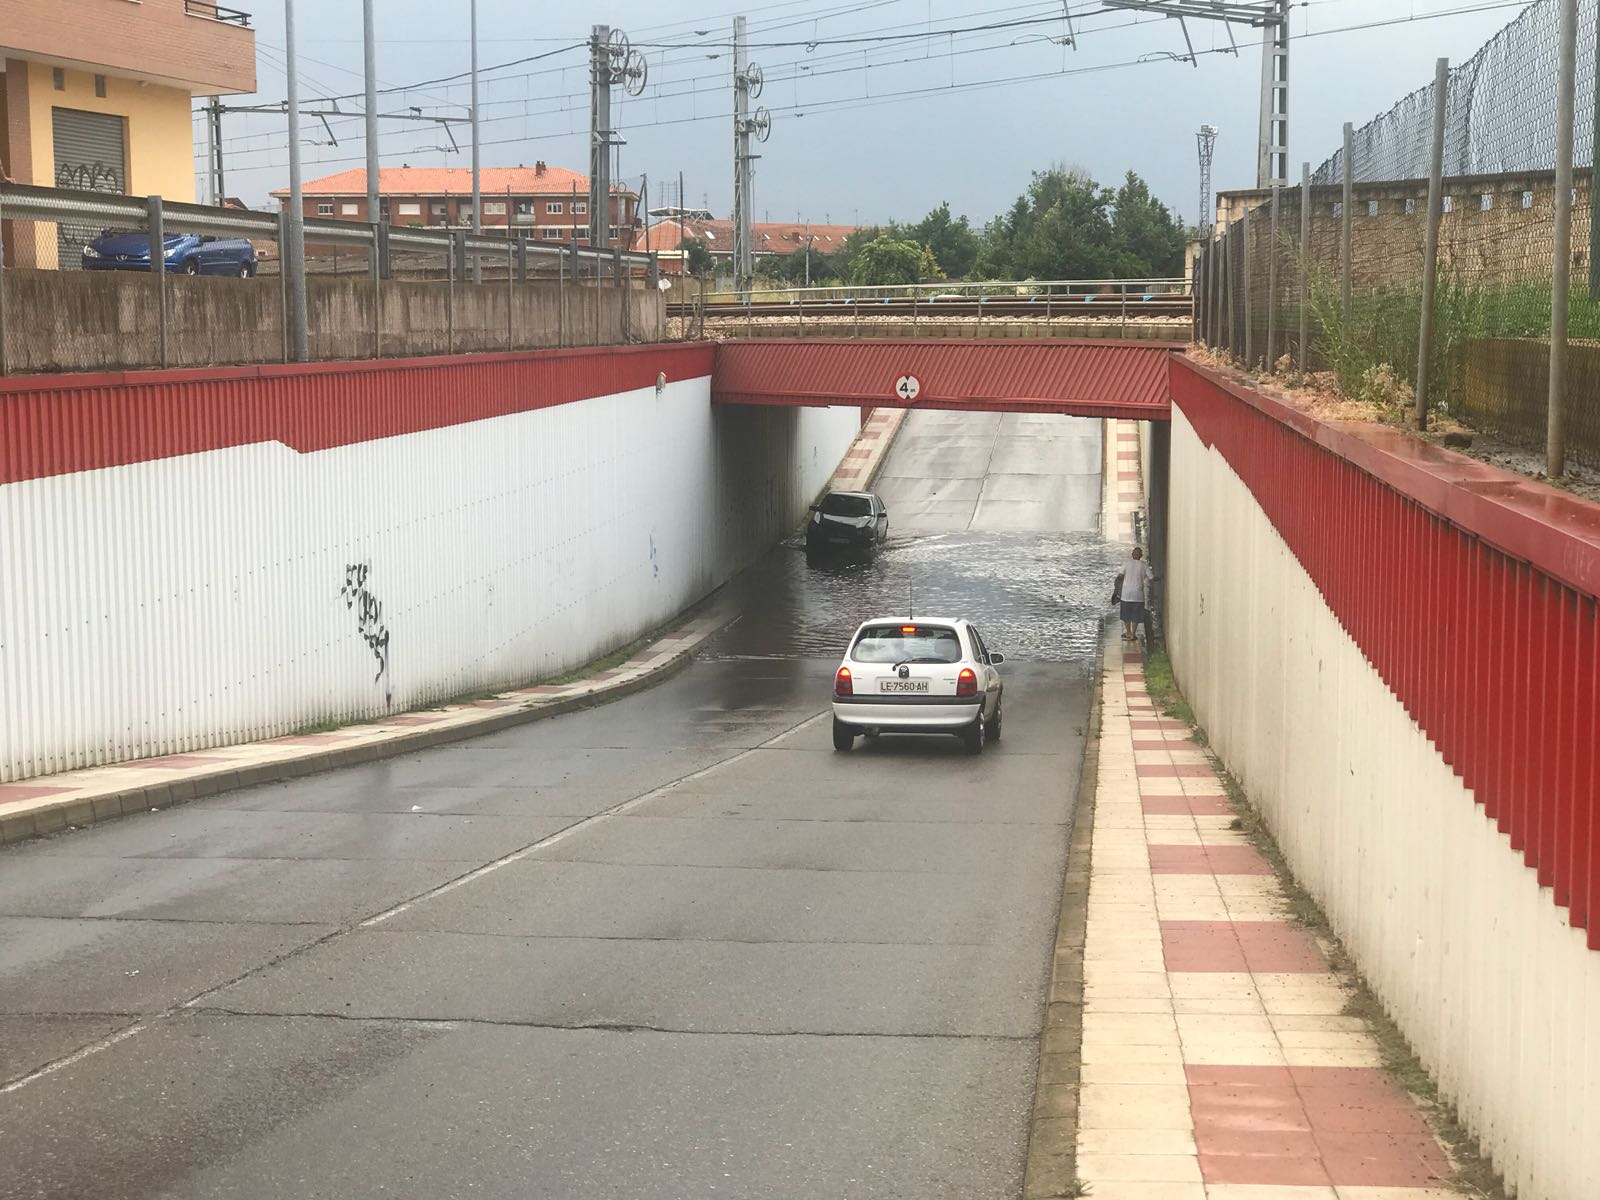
(1135, 583)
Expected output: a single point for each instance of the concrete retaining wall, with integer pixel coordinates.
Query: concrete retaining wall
(268, 585)
(1497, 994)
(109, 320)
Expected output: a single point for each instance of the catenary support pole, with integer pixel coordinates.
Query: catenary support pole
(1302, 355)
(1555, 444)
(374, 179)
(294, 249)
(477, 150)
(1346, 217)
(1430, 244)
(377, 290)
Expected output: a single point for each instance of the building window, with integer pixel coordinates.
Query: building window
(494, 208)
(440, 208)
(410, 210)
(349, 210)
(58, 77)
(1527, 199)
(552, 233)
(325, 210)
(554, 208)
(580, 208)
(1449, 204)
(1372, 208)
(1486, 202)
(100, 86)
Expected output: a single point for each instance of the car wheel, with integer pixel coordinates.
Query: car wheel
(191, 267)
(843, 738)
(994, 725)
(975, 735)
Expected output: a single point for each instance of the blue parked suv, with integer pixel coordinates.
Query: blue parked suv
(186, 254)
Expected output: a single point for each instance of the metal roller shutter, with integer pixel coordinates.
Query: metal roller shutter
(91, 155)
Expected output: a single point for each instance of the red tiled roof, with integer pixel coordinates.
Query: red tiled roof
(771, 237)
(453, 181)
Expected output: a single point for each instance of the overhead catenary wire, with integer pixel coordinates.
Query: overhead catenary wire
(801, 69)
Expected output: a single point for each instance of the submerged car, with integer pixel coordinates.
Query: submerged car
(923, 675)
(846, 520)
(183, 254)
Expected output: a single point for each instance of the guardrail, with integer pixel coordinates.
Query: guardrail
(49, 308)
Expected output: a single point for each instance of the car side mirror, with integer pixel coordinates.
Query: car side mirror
(996, 659)
(884, 513)
(813, 507)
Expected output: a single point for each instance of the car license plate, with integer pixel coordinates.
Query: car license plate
(903, 685)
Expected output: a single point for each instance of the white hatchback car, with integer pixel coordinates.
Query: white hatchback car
(922, 675)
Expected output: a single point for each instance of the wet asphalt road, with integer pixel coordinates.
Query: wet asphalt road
(675, 946)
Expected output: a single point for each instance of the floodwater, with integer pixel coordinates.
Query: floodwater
(993, 518)
(1035, 597)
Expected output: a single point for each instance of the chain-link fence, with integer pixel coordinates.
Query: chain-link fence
(1342, 291)
(78, 292)
(1500, 115)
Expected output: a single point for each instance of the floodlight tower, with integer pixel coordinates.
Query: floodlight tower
(1207, 139)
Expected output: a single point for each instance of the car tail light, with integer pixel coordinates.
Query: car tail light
(967, 682)
(843, 685)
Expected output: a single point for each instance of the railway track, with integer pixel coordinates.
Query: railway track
(1166, 307)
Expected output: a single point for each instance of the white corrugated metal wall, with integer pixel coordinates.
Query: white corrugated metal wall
(250, 592)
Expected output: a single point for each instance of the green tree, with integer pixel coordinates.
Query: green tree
(698, 256)
(842, 260)
(1059, 229)
(889, 260)
(792, 269)
(1148, 241)
(951, 240)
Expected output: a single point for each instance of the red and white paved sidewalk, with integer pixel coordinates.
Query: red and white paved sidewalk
(1217, 1064)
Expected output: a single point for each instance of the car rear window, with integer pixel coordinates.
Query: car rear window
(847, 506)
(907, 643)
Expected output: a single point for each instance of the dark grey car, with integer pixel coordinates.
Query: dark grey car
(846, 521)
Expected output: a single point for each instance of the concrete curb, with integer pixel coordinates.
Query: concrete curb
(50, 817)
(867, 453)
(1052, 1167)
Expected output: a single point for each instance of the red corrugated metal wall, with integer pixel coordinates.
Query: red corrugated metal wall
(1471, 591)
(140, 416)
(1125, 379)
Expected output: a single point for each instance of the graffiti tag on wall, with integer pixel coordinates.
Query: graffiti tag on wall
(369, 619)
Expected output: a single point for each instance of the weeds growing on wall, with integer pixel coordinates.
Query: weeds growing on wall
(1373, 353)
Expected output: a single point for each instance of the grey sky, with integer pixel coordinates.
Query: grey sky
(843, 146)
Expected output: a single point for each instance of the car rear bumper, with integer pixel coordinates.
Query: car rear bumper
(899, 714)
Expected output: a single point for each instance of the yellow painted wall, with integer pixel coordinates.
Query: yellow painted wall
(160, 146)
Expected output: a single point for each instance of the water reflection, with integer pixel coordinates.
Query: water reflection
(1036, 597)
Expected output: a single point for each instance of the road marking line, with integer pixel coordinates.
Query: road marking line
(562, 834)
(104, 1043)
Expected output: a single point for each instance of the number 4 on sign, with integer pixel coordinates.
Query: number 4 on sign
(908, 388)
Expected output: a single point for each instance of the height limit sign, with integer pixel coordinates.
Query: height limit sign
(907, 388)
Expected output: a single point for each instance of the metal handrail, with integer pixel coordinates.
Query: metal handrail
(1018, 288)
(216, 12)
(62, 204)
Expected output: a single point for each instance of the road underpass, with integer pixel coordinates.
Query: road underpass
(670, 946)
